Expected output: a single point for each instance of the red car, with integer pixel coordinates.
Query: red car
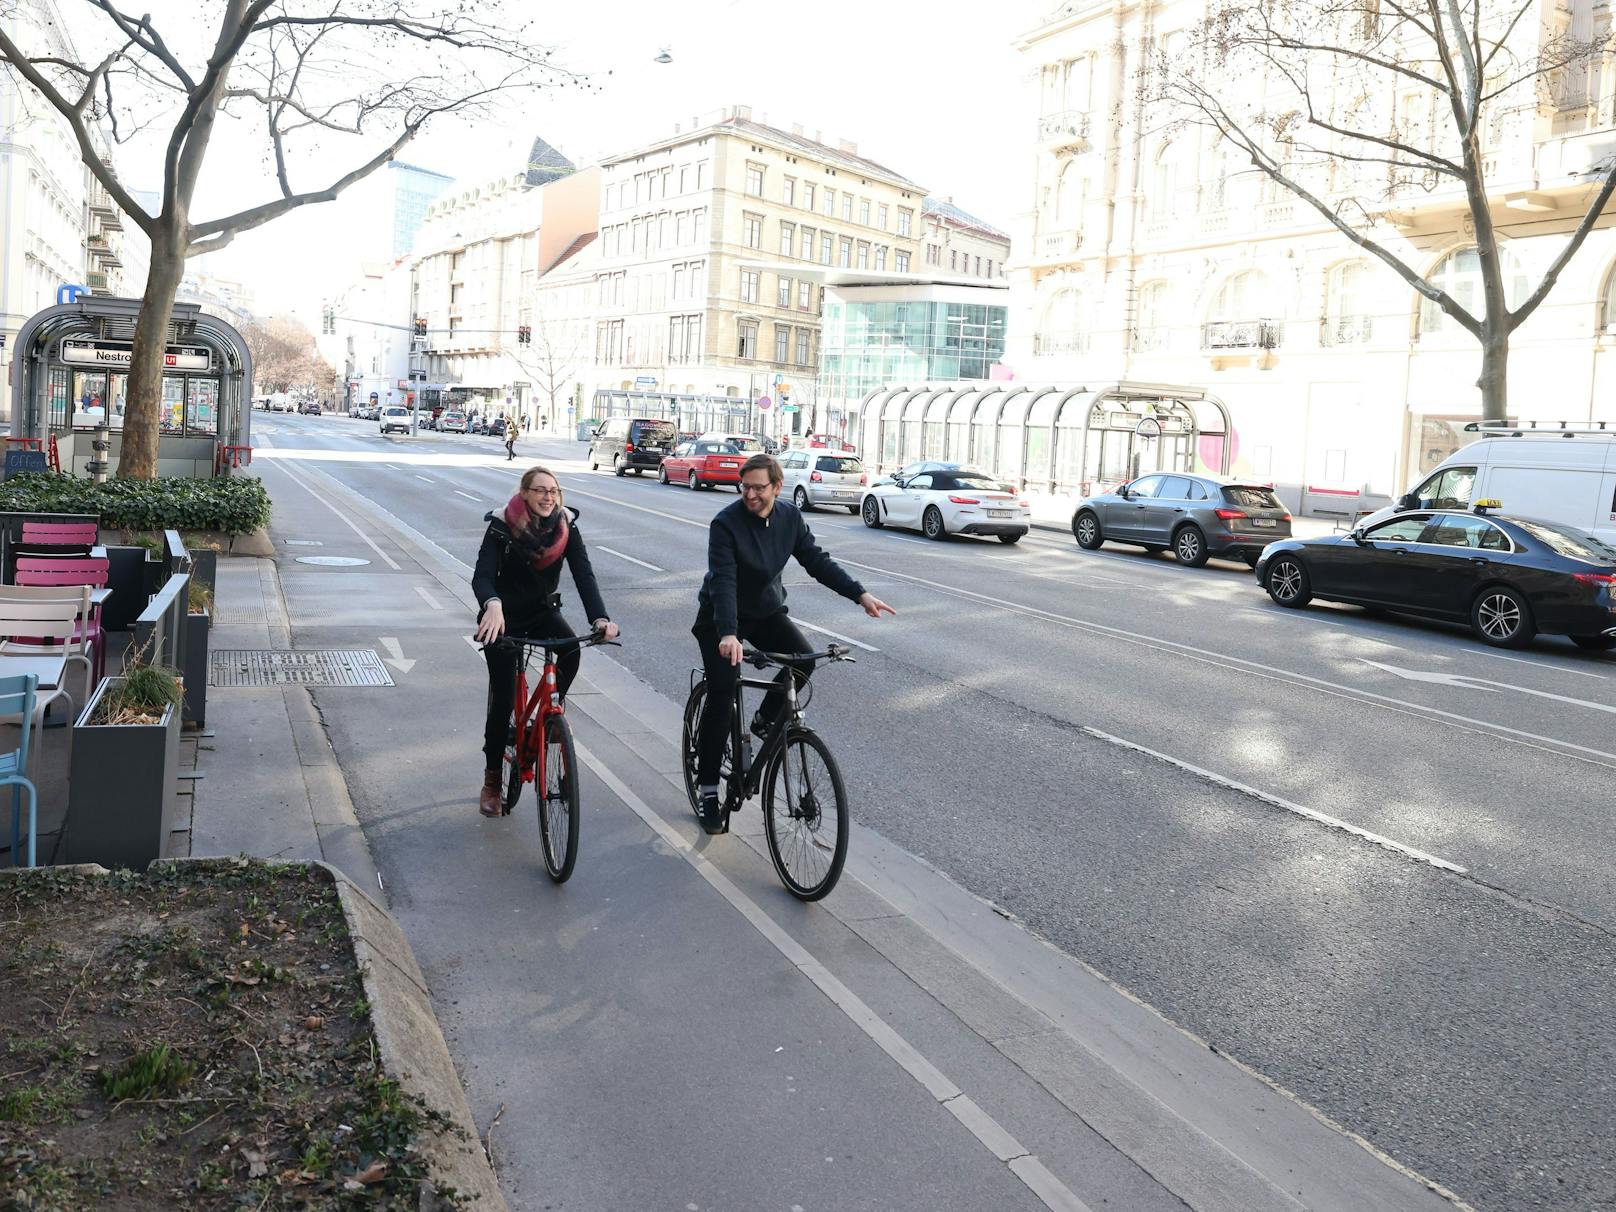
(702, 463)
(828, 441)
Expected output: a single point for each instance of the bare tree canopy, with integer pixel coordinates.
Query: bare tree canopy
(1368, 109)
(285, 357)
(330, 92)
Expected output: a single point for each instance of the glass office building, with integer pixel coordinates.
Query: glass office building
(875, 336)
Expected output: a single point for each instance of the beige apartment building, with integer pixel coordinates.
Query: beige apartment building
(1150, 255)
(684, 302)
(957, 242)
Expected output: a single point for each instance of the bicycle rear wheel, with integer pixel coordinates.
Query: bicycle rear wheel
(558, 800)
(805, 815)
(689, 736)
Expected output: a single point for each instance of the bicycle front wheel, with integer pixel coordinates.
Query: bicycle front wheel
(805, 815)
(558, 800)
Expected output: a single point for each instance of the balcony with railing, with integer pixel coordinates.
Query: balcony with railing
(1069, 128)
(1059, 343)
(1053, 247)
(1241, 334)
(1346, 330)
(95, 280)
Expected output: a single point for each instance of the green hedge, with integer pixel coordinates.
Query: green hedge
(234, 504)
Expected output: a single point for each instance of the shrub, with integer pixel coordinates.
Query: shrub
(233, 504)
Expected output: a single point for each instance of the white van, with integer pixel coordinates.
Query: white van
(1554, 475)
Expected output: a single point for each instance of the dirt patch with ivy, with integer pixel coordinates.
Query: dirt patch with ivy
(194, 1037)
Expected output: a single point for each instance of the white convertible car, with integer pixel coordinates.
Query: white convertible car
(945, 500)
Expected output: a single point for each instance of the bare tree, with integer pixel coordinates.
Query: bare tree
(284, 354)
(553, 360)
(1360, 107)
(365, 74)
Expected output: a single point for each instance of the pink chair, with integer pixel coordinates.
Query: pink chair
(60, 534)
(82, 570)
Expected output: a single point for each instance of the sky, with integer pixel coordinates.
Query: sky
(934, 92)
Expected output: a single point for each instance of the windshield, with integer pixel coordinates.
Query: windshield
(1250, 496)
(656, 431)
(845, 465)
(980, 481)
(1568, 541)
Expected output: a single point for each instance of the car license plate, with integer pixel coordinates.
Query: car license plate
(1266, 522)
(1001, 513)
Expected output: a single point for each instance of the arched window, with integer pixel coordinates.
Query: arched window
(1061, 328)
(1239, 317)
(1348, 318)
(1459, 273)
(1162, 196)
(1219, 167)
(1150, 322)
(1071, 194)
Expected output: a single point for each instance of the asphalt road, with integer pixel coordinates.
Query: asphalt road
(1430, 965)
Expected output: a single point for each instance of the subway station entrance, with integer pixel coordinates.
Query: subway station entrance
(70, 377)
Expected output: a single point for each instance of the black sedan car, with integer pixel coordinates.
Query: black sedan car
(1509, 578)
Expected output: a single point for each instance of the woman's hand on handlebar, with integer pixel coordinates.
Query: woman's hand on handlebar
(730, 648)
(606, 629)
(492, 625)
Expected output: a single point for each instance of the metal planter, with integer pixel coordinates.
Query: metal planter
(194, 667)
(123, 794)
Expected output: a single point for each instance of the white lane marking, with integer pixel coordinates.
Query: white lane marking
(835, 635)
(624, 556)
(672, 517)
(1311, 814)
(346, 520)
(1514, 736)
(392, 467)
(427, 479)
(430, 600)
(1050, 1191)
(395, 656)
(468, 496)
(1581, 673)
(1463, 681)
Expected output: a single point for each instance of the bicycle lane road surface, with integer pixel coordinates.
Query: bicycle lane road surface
(671, 1030)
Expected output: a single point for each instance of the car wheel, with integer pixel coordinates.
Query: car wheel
(593, 466)
(1595, 643)
(1501, 617)
(1009, 538)
(662, 475)
(799, 498)
(693, 482)
(1189, 547)
(1086, 530)
(931, 523)
(618, 466)
(871, 512)
(1288, 583)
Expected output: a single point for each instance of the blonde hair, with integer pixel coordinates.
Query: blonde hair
(538, 469)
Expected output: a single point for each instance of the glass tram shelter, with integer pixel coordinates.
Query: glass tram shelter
(69, 377)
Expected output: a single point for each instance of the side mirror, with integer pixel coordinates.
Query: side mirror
(1122, 491)
(1357, 536)
(1407, 501)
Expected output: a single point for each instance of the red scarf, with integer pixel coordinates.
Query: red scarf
(541, 540)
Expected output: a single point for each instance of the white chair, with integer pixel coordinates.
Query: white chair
(48, 613)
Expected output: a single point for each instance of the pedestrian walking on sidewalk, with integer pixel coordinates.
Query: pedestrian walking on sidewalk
(510, 438)
(516, 580)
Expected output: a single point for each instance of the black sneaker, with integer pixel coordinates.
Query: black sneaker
(759, 726)
(712, 817)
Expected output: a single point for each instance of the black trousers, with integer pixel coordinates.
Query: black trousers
(502, 676)
(776, 633)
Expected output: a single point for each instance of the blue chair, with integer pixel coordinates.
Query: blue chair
(17, 698)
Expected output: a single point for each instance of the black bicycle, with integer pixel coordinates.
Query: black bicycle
(804, 802)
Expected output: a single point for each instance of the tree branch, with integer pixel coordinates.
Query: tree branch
(1552, 275)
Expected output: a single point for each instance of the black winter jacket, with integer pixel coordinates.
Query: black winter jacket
(745, 556)
(523, 592)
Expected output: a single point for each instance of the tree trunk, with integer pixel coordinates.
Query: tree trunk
(1494, 380)
(138, 460)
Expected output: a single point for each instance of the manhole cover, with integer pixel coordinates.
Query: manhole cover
(333, 561)
(270, 667)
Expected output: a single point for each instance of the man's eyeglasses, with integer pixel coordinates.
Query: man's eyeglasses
(756, 490)
(545, 492)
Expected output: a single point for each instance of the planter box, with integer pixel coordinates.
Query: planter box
(194, 667)
(122, 792)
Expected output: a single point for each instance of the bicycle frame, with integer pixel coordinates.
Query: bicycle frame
(533, 713)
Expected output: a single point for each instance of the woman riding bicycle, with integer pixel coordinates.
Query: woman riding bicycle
(516, 578)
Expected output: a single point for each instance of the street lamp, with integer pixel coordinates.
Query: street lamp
(663, 56)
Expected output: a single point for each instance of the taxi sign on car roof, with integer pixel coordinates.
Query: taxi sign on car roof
(1486, 503)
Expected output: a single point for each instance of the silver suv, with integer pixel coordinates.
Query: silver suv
(820, 477)
(1196, 516)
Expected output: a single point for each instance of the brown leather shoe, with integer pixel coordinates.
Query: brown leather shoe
(491, 803)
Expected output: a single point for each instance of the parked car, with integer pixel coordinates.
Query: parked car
(1555, 475)
(701, 464)
(395, 419)
(452, 422)
(310, 408)
(1196, 516)
(1508, 577)
(957, 500)
(816, 477)
(828, 441)
(634, 444)
(748, 444)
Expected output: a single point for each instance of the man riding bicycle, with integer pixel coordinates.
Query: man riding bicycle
(741, 598)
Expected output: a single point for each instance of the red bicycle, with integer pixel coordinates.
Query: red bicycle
(538, 749)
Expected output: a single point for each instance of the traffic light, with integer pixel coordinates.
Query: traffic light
(420, 326)
(524, 335)
(328, 320)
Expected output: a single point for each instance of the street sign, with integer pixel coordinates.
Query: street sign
(122, 353)
(764, 404)
(789, 408)
(68, 292)
(644, 381)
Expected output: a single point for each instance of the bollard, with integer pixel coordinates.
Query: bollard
(102, 445)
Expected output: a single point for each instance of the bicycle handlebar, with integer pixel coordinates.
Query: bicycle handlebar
(591, 640)
(760, 659)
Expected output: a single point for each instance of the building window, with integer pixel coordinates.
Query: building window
(1236, 320)
(754, 180)
(808, 195)
(864, 211)
(783, 298)
(1460, 275)
(1162, 193)
(826, 248)
(989, 274)
(845, 251)
(1347, 318)
(788, 233)
(903, 262)
(749, 285)
(905, 219)
(807, 244)
(746, 345)
(782, 343)
(977, 262)
(698, 221)
(953, 258)
(676, 338)
(701, 175)
(847, 207)
(788, 191)
(684, 177)
(863, 255)
(830, 203)
(1150, 325)
(881, 217)
(881, 256)
(678, 281)
(752, 231)
(805, 295)
(802, 347)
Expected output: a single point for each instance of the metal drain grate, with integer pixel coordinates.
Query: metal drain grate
(268, 667)
(239, 614)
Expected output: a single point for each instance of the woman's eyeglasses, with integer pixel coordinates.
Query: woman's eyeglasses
(544, 492)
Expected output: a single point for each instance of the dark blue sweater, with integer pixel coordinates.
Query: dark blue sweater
(745, 556)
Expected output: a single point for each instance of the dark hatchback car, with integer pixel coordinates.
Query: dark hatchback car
(634, 444)
(1197, 516)
(1509, 578)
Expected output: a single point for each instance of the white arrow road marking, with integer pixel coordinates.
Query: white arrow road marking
(396, 660)
(1498, 656)
(624, 556)
(1464, 682)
